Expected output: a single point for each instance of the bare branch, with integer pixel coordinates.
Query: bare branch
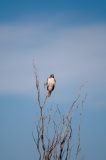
(78, 147)
(37, 145)
(37, 82)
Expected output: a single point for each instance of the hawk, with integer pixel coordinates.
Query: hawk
(50, 84)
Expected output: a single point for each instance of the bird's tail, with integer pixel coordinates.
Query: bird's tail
(49, 93)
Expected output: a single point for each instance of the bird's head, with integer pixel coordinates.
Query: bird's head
(52, 75)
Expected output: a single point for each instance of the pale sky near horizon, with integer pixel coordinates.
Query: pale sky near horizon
(67, 38)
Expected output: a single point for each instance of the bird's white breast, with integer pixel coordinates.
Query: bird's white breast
(51, 81)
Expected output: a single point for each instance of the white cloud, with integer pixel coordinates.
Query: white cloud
(73, 54)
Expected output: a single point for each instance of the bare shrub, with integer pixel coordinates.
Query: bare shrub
(56, 145)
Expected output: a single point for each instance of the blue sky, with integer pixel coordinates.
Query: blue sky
(67, 38)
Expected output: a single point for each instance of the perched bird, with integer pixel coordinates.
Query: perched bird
(50, 84)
